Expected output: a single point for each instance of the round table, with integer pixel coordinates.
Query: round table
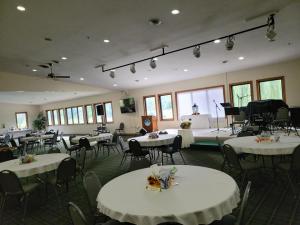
(44, 163)
(201, 196)
(99, 137)
(285, 146)
(163, 139)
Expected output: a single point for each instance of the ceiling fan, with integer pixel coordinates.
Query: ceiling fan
(51, 74)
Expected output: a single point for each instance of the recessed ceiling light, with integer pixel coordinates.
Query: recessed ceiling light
(81, 78)
(146, 78)
(241, 58)
(113, 70)
(217, 41)
(185, 70)
(155, 58)
(175, 11)
(21, 8)
(34, 70)
(115, 85)
(64, 58)
(106, 41)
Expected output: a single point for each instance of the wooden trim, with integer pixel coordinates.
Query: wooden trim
(26, 119)
(282, 78)
(160, 110)
(237, 84)
(145, 106)
(198, 89)
(112, 111)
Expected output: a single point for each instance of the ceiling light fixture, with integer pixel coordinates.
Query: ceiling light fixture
(81, 78)
(152, 63)
(132, 68)
(106, 41)
(175, 11)
(64, 58)
(196, 47)
(115, 85)
(271, 34)
(185, 70)
(241, 58)
(217, 41)
(34, 70)
(112, 74)
(155, 58)
(146, 78)
(21, 8)
(196, 51)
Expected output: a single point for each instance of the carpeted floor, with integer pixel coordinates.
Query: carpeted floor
(270, 203)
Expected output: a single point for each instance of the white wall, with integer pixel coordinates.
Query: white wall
(290, 70)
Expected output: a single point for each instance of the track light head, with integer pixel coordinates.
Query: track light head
(196, 51)
(152, 63)
(132, 68)
(271, 34)
(112, 74)
(229, 43)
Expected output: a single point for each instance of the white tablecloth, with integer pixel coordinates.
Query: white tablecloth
(99, 137)
(163, 139)
(198, 121)
(285, 146)
(44, 163)
(201, 196)
(36, 138)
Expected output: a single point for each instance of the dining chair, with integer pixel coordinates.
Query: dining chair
(111, 145)
(220, 146)
(6, 154)
(174, 148)
(125, 149)
(291, 169)
(80, 161)
(70, 139)
(72, 148)
(137, 152)
(121, 128)
(11, 187)
(143, 132)
(51, 142)
(84, 142)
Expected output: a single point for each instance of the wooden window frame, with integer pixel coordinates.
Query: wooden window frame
(48, 117)
(145, 106)
(271, 79)
(160, 110)
(60, 116)
(93, 113)
(112, 112)
(16, 113)
(231, 85)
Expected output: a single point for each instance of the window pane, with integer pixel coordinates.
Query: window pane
(75, 115)
(108, 112)
(69, 116)
(150, 106)
(49, 116)
(241, 95)
(166, 107)
(21, 120)
(89, 114)
(270, 89)
(98, 117)
(80, 115)
(62, 116)
(55, 117)
(184, 101)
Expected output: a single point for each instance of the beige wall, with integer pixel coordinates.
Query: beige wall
(8, 118)
(290, 70)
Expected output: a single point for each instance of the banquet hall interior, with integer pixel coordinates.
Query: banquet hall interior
(149, 112)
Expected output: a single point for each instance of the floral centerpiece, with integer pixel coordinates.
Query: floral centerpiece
(185, 125)
(264, 138)
(27, 158)
(153, 135)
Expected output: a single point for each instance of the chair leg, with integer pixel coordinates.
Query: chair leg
(123, 158)
(2, 208)
(26, 197)
(182, 157)
(172, 160)
(291, 184)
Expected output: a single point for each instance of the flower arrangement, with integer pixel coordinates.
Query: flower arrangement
(153, 135)
(161, 178)
(185, 125)
(27, 159)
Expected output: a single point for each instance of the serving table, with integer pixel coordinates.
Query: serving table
(201, 196)
(43, 163)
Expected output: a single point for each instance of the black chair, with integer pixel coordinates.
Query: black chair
(111, 145)
(54, 150)
(239, 220)
(70, 139)
(143, 132)
(125, 149)
(121, 128)
(51, 142)
(84, 142)
(291, 169)
(11, 187)
(220, 146)
(6, 154)
(80, 159)
(72, 148)
(174, 148)
(137, 152)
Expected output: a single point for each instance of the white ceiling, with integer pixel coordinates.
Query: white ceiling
(125, 24)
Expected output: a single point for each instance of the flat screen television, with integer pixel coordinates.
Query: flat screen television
(127, 105)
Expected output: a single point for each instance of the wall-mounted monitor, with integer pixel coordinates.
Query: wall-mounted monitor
(127, 105)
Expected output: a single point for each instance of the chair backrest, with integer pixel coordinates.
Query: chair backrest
(81, 158)
(65, 144)
(176, 146)
(240, 218)
(295, 165)
(282, 114)
(231, 157)
(122, 143)
(92, 186)
(84, 142)
(76, 215)
(28, 135)
(13, 143)
(66, 170)
(54, 150)
(115, 137)
(143, 131)
(135, 147)
(70, 139)
(6, 155)
(6, 139)
(10, 183)
(54, 139)
(122, 126)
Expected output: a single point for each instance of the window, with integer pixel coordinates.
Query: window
(21, 119)
(89, 113)
(80, 115)
(55, 117)
(241, 93)
(150, 105)
(62, 116)
(271, 88)
(98, 117)
(69, 116)
(166, 106)
(49, 117)
(205, 99)
(108, 112)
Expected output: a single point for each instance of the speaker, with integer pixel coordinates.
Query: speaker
(99, 109)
